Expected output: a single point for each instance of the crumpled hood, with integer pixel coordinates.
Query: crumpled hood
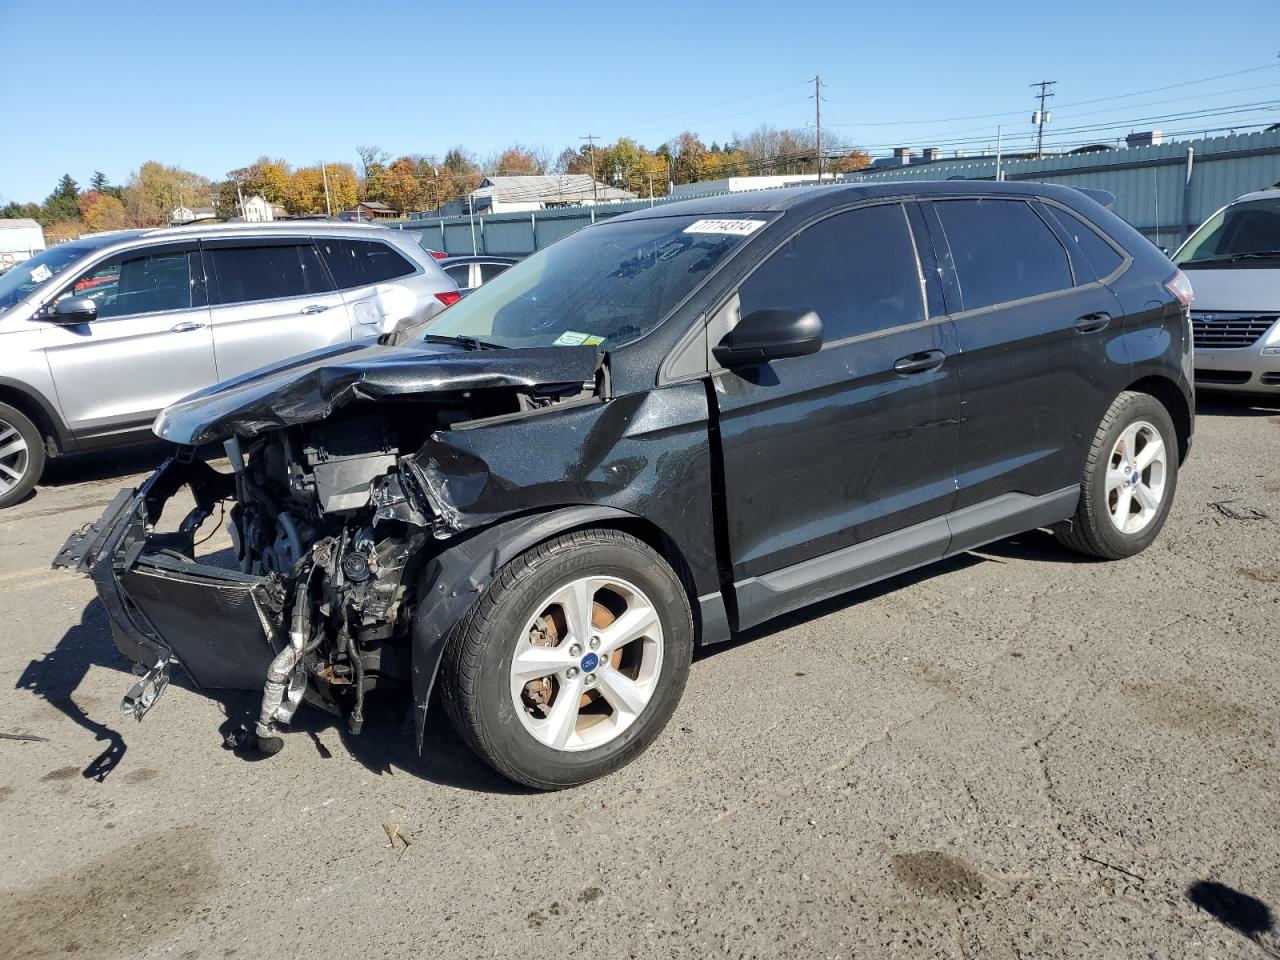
(311, 387)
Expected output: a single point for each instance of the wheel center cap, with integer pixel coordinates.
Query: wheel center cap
(589, 663)
(1134, 478)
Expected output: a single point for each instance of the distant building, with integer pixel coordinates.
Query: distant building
(737, 184)
(257, 210)
(19, 239)
(373, 210)
(537, 192)
(190, 214)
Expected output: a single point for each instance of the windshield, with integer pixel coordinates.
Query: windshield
(1248, 231)
(606, 285)
(29, 274)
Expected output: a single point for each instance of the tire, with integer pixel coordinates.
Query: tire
(1121, 511)
(599, 706)
(21, 455)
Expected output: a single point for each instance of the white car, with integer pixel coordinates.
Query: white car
(99, 334)
(1233, 262)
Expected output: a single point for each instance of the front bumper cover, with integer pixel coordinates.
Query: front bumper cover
(222, 626)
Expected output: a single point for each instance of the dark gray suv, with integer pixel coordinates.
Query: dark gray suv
(657, 433)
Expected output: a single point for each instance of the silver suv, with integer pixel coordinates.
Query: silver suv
(99, 334)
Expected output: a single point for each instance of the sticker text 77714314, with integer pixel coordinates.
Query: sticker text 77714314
(734, 228)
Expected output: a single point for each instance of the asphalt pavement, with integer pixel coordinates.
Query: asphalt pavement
(1017, 753)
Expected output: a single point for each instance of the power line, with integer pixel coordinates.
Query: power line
(1077, 103)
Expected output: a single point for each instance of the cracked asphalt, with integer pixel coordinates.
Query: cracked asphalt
(1012, 754)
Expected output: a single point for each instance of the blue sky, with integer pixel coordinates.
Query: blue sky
(212, 86)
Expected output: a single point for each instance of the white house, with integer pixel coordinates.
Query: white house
(537, 192)
(182, 214)
(257, 210)
(19, 239)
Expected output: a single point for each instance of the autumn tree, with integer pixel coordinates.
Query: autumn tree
(305, 194)
(852, 161)
(155, 189)
(371, 155)
(400, 187)
(100, 211)
(517, 160)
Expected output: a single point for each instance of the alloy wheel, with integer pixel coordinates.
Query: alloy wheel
(15, 459)
(587, 663)
(1136, 475)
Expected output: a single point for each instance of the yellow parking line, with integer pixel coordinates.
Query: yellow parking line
(19, 574)
(63, 577)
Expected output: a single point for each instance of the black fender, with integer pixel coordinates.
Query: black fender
(454, 579)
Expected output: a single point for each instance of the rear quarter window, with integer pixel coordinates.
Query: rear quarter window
(358, 263)
(1095, 251)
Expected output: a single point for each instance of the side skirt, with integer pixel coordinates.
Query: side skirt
(810, 581)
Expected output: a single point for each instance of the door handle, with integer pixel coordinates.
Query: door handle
(186, 327)
(919, 362)
(1093, 322)
(315, 308)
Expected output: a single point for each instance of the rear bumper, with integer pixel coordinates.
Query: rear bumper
(1244, 370)
(222, 626)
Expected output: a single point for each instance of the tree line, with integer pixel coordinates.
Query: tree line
(420, 182)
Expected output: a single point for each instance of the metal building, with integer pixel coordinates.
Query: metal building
(1165, 190)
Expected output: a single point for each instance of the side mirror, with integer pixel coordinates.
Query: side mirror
(72, 311)
(773, 334)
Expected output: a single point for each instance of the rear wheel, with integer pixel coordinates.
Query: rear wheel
(572, 662)
(1129, 480)
(21, 455)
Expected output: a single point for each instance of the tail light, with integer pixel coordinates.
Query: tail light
(439, 254)
(1180, 287)
(449, 297)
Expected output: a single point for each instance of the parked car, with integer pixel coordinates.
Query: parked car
(661, 431)
(469, 272)
(125, 323)
(1233, 262)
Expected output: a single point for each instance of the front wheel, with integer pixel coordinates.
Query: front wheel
(572, 662)
(1129, 480)
(21, 455)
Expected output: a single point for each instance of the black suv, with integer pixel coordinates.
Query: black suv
(667, 428)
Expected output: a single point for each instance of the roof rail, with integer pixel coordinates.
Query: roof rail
(232, 226)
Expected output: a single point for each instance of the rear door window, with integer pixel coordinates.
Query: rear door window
(490, 270)
(1096, 252)
(268, 272)
(460, 273)
(1002, 251)
(358, 263)
(857, 270)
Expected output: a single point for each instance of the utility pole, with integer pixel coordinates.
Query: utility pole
(1041, 116)
(328, 208)
(817, 120)
(999, 147)
(591, 146)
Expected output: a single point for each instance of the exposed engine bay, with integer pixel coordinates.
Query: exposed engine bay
(331, 521)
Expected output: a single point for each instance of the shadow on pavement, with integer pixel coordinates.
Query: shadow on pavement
(1237, 405)
(1246, 915)
(385, 746)
(55, 677)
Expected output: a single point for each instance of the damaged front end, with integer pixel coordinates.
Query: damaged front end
(334, 516)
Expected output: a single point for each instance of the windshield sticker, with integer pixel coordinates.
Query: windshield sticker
(40, 274)
(734, 228)
(571, 338)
